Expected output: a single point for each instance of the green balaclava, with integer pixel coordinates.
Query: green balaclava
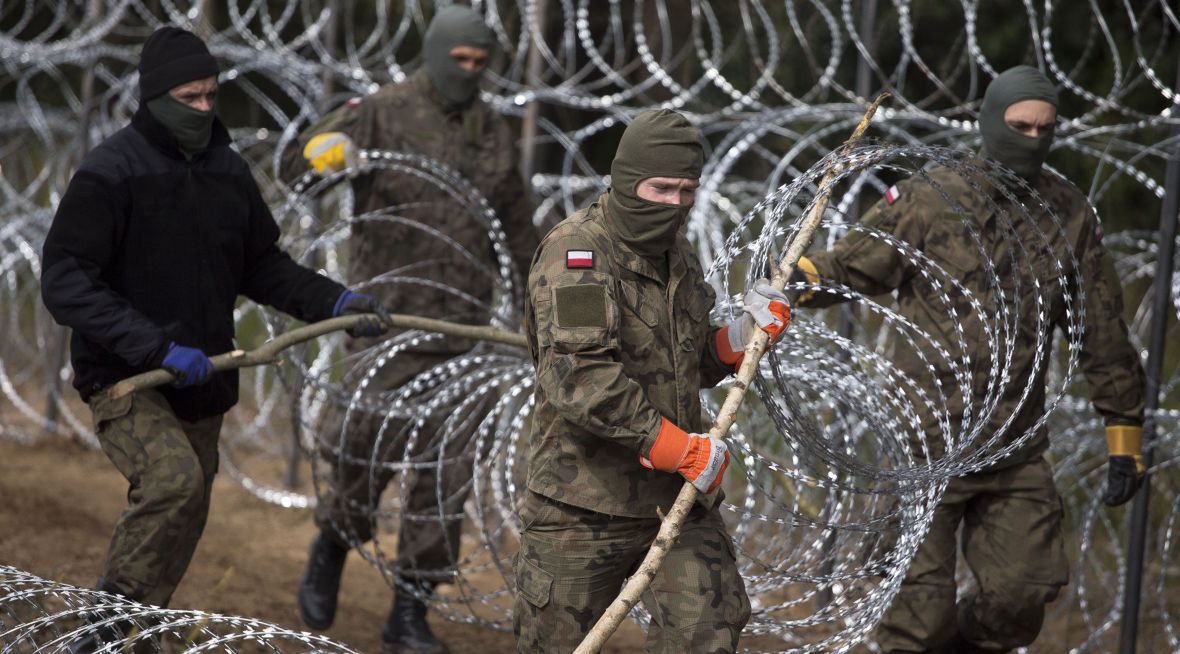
(1023, 154)
(191, 127)
(658, 143)
(452, 27)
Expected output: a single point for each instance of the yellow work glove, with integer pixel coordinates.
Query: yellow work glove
(804, 273)
(1124, 472)
(330, 152)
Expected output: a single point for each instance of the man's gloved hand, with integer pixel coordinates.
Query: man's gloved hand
(1124, 472)
(330, 152)
(189, 365)
(361, 303)
(699, 458)
(763, 307)
(805, 272)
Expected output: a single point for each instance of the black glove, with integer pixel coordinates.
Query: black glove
(1122, 480)
(361, 303)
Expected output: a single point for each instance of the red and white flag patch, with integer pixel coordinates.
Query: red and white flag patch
(579, 259)
(892, 194)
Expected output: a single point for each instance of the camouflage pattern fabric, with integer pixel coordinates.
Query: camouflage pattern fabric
(1011, 514)
(926, 219)
(572, 563)
(1014, 543)
(170, 465)
(428, 543)
(617, 344)
(410, 117)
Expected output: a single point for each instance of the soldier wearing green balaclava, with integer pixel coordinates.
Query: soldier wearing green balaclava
(1002, 522)
(617, 318)
(656, 144)
(442, 272)
(452, 27)
(1023, 154)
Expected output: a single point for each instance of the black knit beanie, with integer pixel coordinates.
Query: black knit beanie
(170, 57)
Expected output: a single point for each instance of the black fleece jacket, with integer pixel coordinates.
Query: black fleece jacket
(148, 247)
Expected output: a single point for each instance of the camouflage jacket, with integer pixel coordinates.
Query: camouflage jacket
(615, 349)
(434, 278)
(917, 213)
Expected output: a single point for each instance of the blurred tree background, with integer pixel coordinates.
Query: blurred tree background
(818, 65)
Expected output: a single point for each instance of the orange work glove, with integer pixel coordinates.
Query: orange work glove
(763, 307)
(699, 458)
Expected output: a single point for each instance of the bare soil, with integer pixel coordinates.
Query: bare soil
(59, 502)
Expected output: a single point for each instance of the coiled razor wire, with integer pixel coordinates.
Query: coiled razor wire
(827, 501)
(38, 615)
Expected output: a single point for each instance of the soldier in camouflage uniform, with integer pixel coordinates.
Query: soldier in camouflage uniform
(618, 326)
(1010, 512)
(435, 113)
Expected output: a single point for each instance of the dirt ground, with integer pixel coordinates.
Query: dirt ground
(59, 501)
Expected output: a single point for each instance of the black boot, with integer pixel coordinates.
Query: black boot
(96, 638)
(321, 582)
(960, 645)
(406, 630)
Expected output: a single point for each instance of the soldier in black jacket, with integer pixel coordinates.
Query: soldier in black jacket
(160, 230)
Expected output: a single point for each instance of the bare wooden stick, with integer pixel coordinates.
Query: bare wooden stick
(674, 521)
(269, 351)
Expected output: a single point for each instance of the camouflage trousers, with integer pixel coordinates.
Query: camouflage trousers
(170, 465)
(1013, 542)
(431, 516)
(572, 563)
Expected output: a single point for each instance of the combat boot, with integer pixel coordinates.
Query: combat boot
(960, 645)
(100, 635)
(96, 638)
(406, 631)
(321, 582)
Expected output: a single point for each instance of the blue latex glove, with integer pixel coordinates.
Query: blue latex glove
(351, 302)
(190, 365)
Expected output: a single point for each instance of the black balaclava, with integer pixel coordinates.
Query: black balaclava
(1023, 154)
(172, 56)
(452, 27)
(658, 143)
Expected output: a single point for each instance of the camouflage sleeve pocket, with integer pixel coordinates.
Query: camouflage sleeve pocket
(577, 314)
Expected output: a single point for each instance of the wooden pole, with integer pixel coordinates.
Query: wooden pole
(269, 351)
(672, 524)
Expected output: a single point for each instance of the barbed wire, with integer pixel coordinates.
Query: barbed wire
(38, 615)
(828, 502)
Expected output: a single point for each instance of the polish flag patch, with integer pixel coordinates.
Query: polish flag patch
(892, 195)
(579, 259)
(354, 102)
